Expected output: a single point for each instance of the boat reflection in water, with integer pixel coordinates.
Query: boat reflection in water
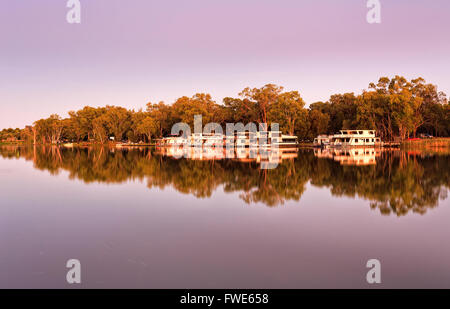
(265, 157)
(392, 181)
(350, 156)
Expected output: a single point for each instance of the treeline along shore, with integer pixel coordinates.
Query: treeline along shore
(396, 108)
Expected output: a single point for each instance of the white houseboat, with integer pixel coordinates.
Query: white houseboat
(355, 138)
(239, 140)
(322, 140)
(288, 141)
(264, 139)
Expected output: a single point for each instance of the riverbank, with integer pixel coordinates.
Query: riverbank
(12, 143)
(438, 142)
(305, 145)
(82, 144)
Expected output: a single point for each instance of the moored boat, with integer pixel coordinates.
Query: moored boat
(264, 139)
(322, 140)
(355, 138)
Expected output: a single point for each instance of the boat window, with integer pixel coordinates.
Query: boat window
(356, 140)
(360, 132)
(367, 140)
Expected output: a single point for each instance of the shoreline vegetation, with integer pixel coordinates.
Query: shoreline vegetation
(439, 142)
(396, 108)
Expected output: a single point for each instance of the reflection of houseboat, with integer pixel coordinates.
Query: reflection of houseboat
(263, 156)
(214, 139)
(244, 139)
(172, 141)
(355, 138)
(350, 156)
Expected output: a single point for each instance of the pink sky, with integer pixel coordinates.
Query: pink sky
(130, 52)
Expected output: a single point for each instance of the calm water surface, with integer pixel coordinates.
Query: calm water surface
(140, 218)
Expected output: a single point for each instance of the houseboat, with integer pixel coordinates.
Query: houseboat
(266, 139)
(196, 140)
(238, 139)
(288, 141)
(322, 140)
(355, 138)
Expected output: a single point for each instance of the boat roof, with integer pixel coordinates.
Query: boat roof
(356, 131)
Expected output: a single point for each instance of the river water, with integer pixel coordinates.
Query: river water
(142, 218)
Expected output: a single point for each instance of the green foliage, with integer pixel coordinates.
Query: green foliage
(287, 110)
(10, 135)
(148, 126)
(394, 107)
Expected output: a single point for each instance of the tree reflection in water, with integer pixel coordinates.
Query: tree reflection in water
(395, 181)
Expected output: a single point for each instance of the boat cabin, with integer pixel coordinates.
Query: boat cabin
(355, 138)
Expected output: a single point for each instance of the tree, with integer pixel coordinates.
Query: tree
(343, 112)
(83, 121)
(136, 119)
(373, 112)
(50, 129)
(118, 121)
(287, 111)
(69, 129)
(184, 109)
(431, 113)
(261, 99)
(319, 122)
(240, 110)
(398, 107)
(149, 127)
(163, 115)
(403, 105)
(395, 107)
(100, 129)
